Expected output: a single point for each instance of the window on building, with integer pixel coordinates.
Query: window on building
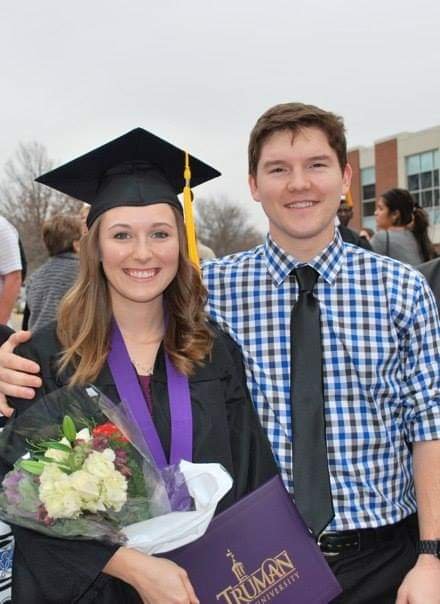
(368, 195)
(422, 171)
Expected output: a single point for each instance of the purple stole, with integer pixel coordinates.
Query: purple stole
(130, 392)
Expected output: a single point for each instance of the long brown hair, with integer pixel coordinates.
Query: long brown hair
(85, 314)
(402, 202)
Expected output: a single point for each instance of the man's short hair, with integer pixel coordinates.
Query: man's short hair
(59, 233)
(294, 117)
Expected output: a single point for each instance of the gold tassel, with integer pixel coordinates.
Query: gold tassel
(188, 214)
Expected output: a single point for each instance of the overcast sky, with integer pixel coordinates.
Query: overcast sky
(198, 72)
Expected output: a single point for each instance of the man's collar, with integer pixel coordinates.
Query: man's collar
(327, 263)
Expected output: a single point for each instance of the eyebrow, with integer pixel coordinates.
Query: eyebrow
(274, 162)
(320, 158)
(277, 162)
(124, 225)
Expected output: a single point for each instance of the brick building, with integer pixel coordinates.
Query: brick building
(410, 160)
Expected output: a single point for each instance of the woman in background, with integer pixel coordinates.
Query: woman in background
(50, 282)
(402, 229)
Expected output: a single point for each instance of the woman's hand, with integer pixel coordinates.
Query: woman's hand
(17, 375)
(157, 580)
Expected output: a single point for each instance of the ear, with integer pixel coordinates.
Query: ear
(346, 179)
(395, 216)
(253, 187)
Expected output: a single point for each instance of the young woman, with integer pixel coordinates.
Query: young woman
(137, 284)
(403, 229)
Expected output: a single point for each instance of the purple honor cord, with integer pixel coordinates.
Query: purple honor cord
(129, 390)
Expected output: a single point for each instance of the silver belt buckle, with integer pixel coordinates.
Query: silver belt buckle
(327, 554)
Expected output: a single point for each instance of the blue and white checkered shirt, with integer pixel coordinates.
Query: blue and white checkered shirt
(381, 366)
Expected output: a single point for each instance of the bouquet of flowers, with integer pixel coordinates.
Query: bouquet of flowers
(81, 469)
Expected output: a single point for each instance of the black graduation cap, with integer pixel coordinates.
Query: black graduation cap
(136, 169)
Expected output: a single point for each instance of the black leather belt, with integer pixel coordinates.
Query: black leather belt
(338, 542)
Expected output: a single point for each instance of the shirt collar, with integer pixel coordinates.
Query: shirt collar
(327, 263)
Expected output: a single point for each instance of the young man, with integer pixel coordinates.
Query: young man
(380, 360)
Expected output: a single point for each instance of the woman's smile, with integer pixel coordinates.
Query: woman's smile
(141, 274)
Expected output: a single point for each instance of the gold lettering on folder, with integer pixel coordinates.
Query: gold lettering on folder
(273, 576)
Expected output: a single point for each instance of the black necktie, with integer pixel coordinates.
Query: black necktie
(311, 478)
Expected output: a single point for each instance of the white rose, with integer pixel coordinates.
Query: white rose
(85, 484)
(52, 475)
(68, 505)
(99, 464)
(114, 491)
(109, 454)
(93, 505)
(56, 454)
(57, 494)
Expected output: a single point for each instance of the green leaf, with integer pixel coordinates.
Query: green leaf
(56, 445)
(47, 460)
(69, 429)
(65, 469)
(33, 467)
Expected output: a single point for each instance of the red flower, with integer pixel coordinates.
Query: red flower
(110, 431)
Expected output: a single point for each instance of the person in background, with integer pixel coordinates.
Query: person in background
(366, 233)
(344, 215)
(402, 228)
(6, 538)
(345, 211)
(49, 283)
(431, 271)
(10, 269)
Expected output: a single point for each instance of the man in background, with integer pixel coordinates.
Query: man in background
(10, 269)
(345, 214)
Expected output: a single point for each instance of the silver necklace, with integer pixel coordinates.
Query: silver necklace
(143, 369)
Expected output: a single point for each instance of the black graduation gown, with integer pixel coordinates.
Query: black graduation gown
(350, 236)
(226, 430)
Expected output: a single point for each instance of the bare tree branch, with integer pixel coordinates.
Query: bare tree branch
(224, 226)
(27, 204)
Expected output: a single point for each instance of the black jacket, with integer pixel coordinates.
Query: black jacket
(350, 236)
(431, 270)
(226, 430)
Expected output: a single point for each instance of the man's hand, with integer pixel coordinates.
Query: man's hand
(422, 584)
(17, 375)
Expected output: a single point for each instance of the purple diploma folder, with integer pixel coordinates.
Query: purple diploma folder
(258, 551)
